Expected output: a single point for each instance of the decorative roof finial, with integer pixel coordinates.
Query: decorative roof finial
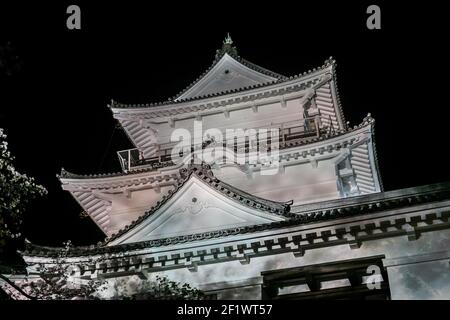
(228, 39)
(227, 47)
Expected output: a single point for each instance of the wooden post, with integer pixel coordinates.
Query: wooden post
(316, 124)
(129, 159)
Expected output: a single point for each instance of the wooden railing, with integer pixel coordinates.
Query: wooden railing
(133, 159)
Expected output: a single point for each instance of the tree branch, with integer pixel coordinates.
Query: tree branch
(12, 284)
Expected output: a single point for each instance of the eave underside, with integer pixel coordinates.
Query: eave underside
(92, 193)
(358, 209)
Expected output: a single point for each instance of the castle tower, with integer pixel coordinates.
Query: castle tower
(269, 194)
(317, 156)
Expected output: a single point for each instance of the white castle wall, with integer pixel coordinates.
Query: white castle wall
(301, 182)
(126, 208)
(243, 118)
(418, 280)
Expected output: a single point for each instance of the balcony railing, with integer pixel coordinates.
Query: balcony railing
(134, 159)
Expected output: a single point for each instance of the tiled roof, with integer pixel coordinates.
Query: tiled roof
(232, 52)
(375, 156)
(303, 214)
(69, 175)
(280, 79)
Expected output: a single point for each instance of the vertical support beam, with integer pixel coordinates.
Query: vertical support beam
(316, 125)
(129, 159)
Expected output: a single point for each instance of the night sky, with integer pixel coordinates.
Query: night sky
(54, 107)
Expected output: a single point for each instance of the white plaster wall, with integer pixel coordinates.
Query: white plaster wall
(421, 281)
(301, 182)
(430, 280)
(125, 209)
(252, 292)
(272, 113)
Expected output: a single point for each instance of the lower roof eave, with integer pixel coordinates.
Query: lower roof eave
(312, 218)
(67, 178)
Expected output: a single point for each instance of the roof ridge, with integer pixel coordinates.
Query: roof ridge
(69, 175)
(258, 68)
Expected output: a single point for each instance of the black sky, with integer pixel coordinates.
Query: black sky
(54, 108)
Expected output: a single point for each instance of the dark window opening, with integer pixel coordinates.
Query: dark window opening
(356, 279)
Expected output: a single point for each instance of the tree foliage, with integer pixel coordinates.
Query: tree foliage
(168, 289)
(158, 288)
(16, 192)
(56, 281)
(60, 281)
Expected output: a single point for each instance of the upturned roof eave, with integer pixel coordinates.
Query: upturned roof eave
(68, 177)
(313, 213)
(116, 107)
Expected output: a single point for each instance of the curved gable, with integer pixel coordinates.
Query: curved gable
(197, 207)
(227, 74)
